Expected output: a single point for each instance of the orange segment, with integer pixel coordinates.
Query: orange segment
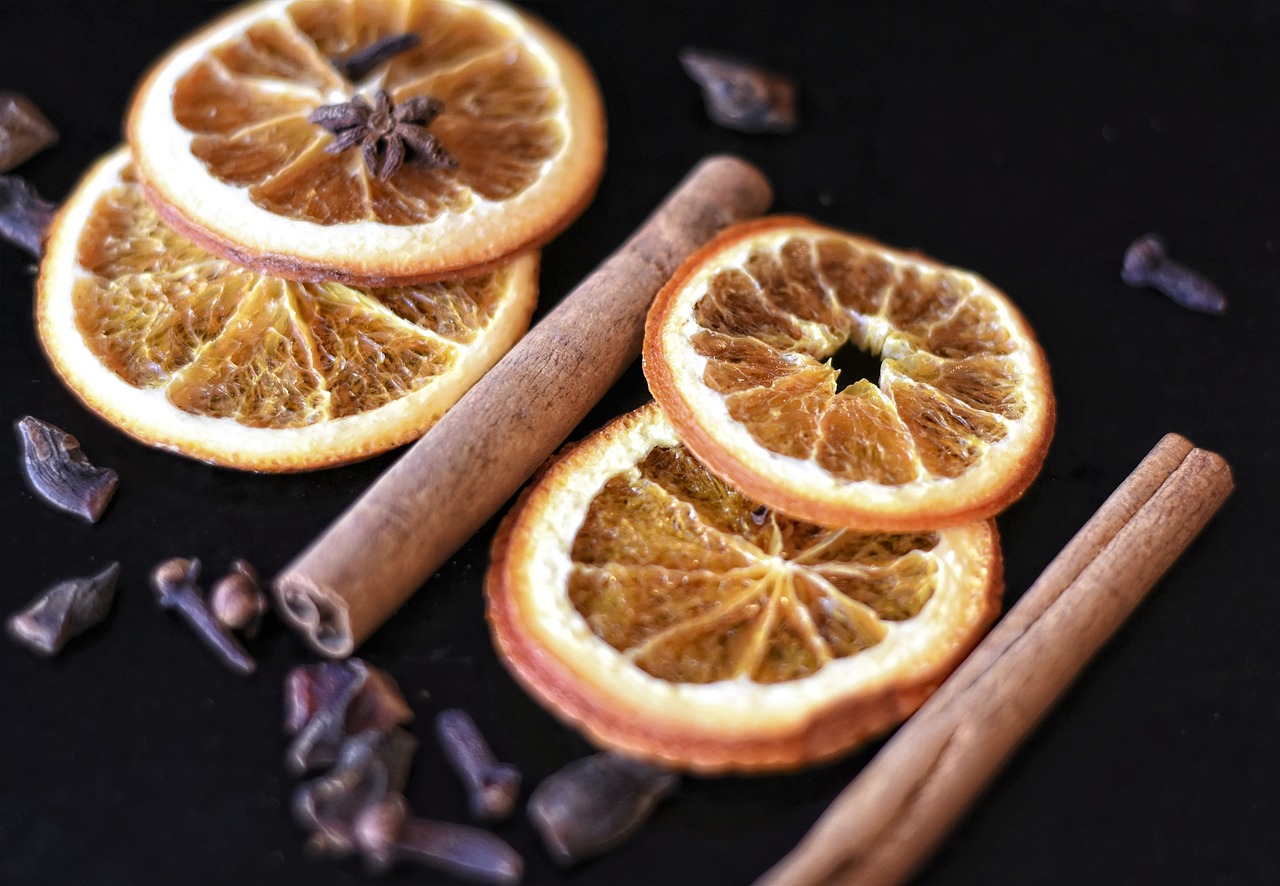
(738, 350)
(670, 616)
(221, 133)
(191, 352)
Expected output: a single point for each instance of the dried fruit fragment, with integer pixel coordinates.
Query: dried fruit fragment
(593, 804)
(65, 610)
(742, 96)
(25, 216)
(24, 131)
(58, 472)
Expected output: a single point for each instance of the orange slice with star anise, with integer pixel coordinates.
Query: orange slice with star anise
(369, 141)
(187, 351)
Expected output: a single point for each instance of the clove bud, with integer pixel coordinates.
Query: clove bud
(65, 610)
(370, 768)
(328, 702)
(386, 834)
(174, 583)
(492, 787)
(1147, 264)
(594, 804)
(58, 472)
(237, 601)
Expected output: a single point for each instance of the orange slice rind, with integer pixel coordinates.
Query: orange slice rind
(668, 616)
(738, 348)
(220, 134)
(192, 353)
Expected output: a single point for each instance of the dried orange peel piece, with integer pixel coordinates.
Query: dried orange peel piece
(220, 132)
(669, 616)
(187, 351)
(738, 350)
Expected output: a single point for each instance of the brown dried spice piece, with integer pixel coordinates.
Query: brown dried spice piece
(385, 132)
(59, 473)
(237, 601)
(65, 610)
(386, 833)
(742, 96)
(359, 64)
(593, 804)
(174, 583)
(24, 131)
(492, 787)
(328, 702)
(25, 216)
(1147, 264)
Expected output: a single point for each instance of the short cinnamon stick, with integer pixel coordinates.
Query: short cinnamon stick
(897, 811)
(356, 574)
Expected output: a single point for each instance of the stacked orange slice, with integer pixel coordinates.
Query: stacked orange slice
(255, 286)
(765, 567)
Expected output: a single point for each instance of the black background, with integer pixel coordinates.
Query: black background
(1028, 142)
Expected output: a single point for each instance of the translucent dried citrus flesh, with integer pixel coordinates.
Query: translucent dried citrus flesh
(189, 351)
(221, 132)
(738, 350)
(670, 616)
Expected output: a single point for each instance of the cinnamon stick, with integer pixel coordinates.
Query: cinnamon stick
(364, 566)
(898, 810)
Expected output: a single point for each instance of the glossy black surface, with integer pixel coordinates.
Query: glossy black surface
(1029, 142)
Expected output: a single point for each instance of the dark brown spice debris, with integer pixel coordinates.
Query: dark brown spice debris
(741, 96)
(370, 767)
(492, 787)
(24, 131)
(174, 583)
(387, 833)
(59, 473)
(65, 610)
(237, 601)
(594, 804)
(1147, 264)
(25, 216)
(357, 65)
(385, 132)
(328, 702)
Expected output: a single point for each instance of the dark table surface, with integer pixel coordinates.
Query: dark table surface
(1028, 142)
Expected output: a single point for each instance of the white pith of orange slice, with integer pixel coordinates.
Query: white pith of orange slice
(189, 352)
(737, 350)
(667, 616)
(219, 132)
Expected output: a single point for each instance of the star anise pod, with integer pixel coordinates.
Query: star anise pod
(385, 131)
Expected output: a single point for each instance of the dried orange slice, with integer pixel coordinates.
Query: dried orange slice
(187, 351)
(738, 350)
(669, 616)
(222, 139)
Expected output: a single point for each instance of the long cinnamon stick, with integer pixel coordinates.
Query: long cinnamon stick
(895, 813)
(364, 566)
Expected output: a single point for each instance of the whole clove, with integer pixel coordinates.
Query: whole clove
(65, 610)
(328, 702)
(24, 131)
(25, 216)
(386, 834)
(175, 584)
(596, 803)
(357, 65)
(58, 472)
(370, 768)
(237, 601)
(492, 787)
(741, 96)
(1147, 264)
